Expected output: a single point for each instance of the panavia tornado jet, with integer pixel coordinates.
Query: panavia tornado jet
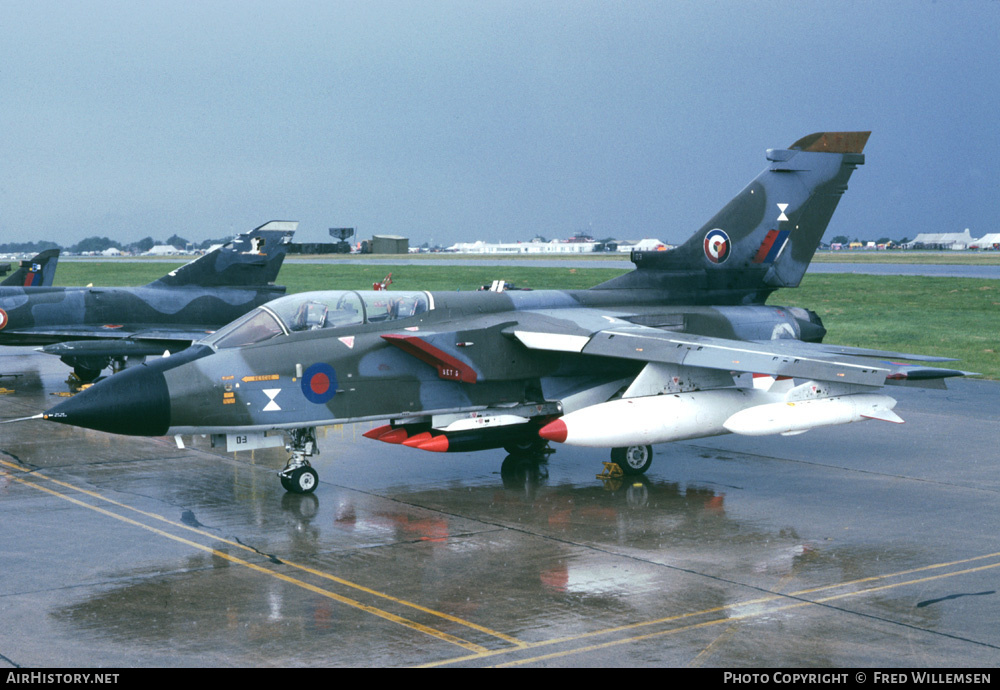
(90, 328)
(38, 271)
(682, 347)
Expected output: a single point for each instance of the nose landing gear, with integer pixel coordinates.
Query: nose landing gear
(298, 476)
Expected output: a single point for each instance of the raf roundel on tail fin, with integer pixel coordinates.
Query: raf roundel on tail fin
(765, 237)
(717, 246)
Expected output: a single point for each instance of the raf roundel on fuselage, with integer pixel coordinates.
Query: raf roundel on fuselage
(319, 383)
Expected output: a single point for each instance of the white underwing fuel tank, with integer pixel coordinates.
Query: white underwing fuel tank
(653, 419)
(795, 417)
(680, 416)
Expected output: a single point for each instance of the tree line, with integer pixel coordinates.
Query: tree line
(97, 244)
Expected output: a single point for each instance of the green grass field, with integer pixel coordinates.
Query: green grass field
(949, 317)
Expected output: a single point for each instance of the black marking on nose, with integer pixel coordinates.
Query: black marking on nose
(135, 402)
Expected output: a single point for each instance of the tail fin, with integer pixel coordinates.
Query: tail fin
(252, 259)
(39, 271)
(766, 236)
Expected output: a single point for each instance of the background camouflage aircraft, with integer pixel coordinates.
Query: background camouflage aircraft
(666, 352)
(92, 327)
(38, 271)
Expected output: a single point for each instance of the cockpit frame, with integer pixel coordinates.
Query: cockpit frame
(318, 310)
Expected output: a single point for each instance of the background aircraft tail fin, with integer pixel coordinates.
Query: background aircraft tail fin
(252, 259)
(38, 271)
(765, 237)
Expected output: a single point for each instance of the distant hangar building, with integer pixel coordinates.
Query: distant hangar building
(942, 240)
(557, 247)
(388, 244)
(162, 250)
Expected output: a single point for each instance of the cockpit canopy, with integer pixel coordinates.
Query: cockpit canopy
(310, 311)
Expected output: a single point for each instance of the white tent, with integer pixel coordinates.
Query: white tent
(988, 241)
(162, 250)
(944, 240)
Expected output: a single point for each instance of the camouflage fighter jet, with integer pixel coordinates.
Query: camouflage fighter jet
(90, 328)
(38, 271)
(666, 352)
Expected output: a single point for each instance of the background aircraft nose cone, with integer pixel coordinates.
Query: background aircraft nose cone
(134, 402)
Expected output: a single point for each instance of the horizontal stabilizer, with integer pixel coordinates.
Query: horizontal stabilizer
(922, 377)
(918, 373)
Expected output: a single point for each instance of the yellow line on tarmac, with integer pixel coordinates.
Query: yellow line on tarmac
(479, 652)
(728, 632)
(477, 649)
(729, 607)
(731, 619)
(312, 571)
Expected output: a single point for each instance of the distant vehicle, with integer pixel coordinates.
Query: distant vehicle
(682, 347)
(91, 328)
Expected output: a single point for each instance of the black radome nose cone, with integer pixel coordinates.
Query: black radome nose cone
(134, 402)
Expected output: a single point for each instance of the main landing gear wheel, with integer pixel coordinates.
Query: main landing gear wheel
(86, 369)
(633, 459)
(85, 374)
(302, 480)
(526, 446)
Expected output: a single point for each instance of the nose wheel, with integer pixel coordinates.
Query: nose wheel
(301, 480)
(299, 477)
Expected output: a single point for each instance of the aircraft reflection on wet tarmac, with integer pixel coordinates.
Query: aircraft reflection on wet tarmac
(123, 551)
(568, 583)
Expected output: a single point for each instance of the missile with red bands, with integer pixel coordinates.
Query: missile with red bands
(378, 431)
(479, 439)
(395, 434)
(415, 440)
(422, 437)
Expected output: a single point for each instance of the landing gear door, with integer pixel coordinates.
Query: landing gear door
(248, 441)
